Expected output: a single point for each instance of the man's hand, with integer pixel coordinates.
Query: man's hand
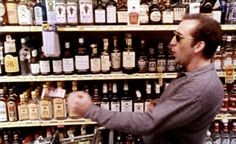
(78, 102)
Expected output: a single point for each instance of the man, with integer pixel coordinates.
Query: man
(190, 102)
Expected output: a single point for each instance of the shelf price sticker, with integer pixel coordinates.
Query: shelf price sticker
(229, 74)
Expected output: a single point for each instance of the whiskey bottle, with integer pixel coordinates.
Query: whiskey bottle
(11, 59)
(111, 10)
(95, 60)
(158, 90)
(167, 14)
(126, 101)
(39, 13)
(12, 106)
(115, 56)
(138, 102)
(96, 98)
(60, 8)
(122, 12)
(57, 65)
(99, 13)
(161, 58)
(170, 64)
(144, 12)
(24, 55)
(23, 108)
(33, 107)
(142, 60)
(71, 114)
(228, 52)
(115, 102)
(128, 60)
(3, 13)
(82, 58)
(34, 63)
(24, 13)
(2, 69)
(72, 12)
(105, 102)
(179, 11)
(12, 13)
(105, 58)
(3, 107)
(154, 13)
(44, 64)
(148, 99)
(45, 104)
(152, 63)
(68, 60)
(86, 12)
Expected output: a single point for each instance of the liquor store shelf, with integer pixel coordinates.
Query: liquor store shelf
(46, 123)
(94, 28)
(112, 76)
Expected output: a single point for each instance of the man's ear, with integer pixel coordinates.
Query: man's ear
(199, 46)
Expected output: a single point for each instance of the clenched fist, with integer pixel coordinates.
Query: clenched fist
(79, 102)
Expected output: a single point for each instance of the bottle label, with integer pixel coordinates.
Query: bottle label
(100, 16)
(111, 14)
(122, 16)
(86, 11)
(152, 66)
(9, 46)
(2, 10)
(95, 64)
(60, 13)
(126, 106)
(138, 107)
(38, 15)
(155, 16)
(116, 60)
(144, 11)
(45, 109)
(12, 111)
(142, 65)
(58, 108)
(33, 111)
(82, 62)
(34, 68)
(217, 63)
(194, 7)
(25, 15)
(161, 65)
(44, 66)
(11, 64)
(105, 63)
(179, 13)
(23, 112)
(115, 106)
(3, 111)
(72, 15)
(12, 13)
(167, 17)
(128, 59)
(57, 66)
(68, 64)
(105, 105)
(171, 65)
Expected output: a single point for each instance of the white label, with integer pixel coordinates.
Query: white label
(44, 66)
(57, 66)
(86, 11)
(138, 107)
(194, 8)
(2, 10)
(146, 104)
(34, 68)
(100, 16)
(129, 59)
(105, 63)
(59, 92)
(126, 106)
(143, 12)
(105, 105)
(38, 15)
(179, 13)
(111, 14)
(72, 15)
(3, 111)
(122, 16)
(155, 16)
(81, 62)
(167, 17)
(24, 15)
(60, 13)
(116, 60)
(68, 64)
(216, 15)
(115, 106)
(95, 64)
(217, 63)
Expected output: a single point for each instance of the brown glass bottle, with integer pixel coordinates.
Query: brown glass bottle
(96, 98)
(12, 106)
(68, 60)
(34, 62)
(45, 104)
(105, 58)
(154, 13)
(3, 13)
(122, 12)
(142, 59)
(33, 107)
(23, 108)
(95, 60)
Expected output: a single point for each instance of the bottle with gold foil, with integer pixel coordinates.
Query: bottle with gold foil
(24, 13)
(33, 107)
(59, 109)
(23, 108)
(12, 106)
(11, 59)
(71, 113)
(3, 107)
(45, 104)
(12, 13)
(3, 13)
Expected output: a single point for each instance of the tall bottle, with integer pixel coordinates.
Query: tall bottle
(144, 12)
(161, 58)
(57, 65)
(44, 64)
(23, 111)
(33, 107)
(167, 14)
(61, 15)
(152, 63)
(122, 12)
(11, 59)
(142, 59)
(138, 102)
(72, 12)
(12, 13)
(105, 102)
(105, 58)
(2, 67)
(126, 101)
(224, 134)
(148, 91)
(82, 58)
(72, 114)
(111, 10)
(115, 56)
(96, 97)
(34, 62)
(12, 106)
(3, 13)
(3, 107)
(128, 60)
(86, 12)
(68, 60)
(95, 60)
(40, 15)
(179, 11)
(171, 64)
(115, 101)
(24, 13)
(154, 13)
(99, 13)
(45, 104)
(24, 55)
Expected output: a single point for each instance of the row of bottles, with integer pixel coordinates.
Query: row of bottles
(229, 101)
(48, 100)
(73, 12)
(105, 57)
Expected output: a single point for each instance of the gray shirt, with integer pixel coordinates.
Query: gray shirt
(183, 114)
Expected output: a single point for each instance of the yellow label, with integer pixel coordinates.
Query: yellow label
(11, 64)
(23, 112)
(45, 109)
(33, 112)
(58, 107)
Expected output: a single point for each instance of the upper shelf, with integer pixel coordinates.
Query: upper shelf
(101, 28)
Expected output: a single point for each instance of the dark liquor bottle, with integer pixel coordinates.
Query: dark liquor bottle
(16, 139)
(39, 13)
(105, 58)
(154, 13)
(128, 60)
(216, 133)
(2, 68)
(170, 64)
(115, 56)
(152, 63)
(115, 102)
(12, 106)
(122, 12)
(3, 13)
(161, 58)
(96, 98)
(142, 60)
(67, 60)
(105, 102)
(111, 10)
(82, 58)
(24, 55)
(34, 62)
(57, 65)
(44, 64)
(138, 102)
(72, 12)
(148, 95)
(100, 13)
(126, 101)
(179, 11)
(3, 107)
(95, 60)
(144, 12)
(167, 14)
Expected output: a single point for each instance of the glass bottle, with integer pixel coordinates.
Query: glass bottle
(45, 104)
(228, 52)
(111, 11)
(67, 60)
(152, 63)
(115, 102)
(96, 98)
(72, 12)
(23, 108)
(12, 13)
(167, 14)
(82, 57)
(34, 62)
(170, 64)
(122, 12)
(3, 107)
(99, 13)
(144, 12)
(2, 68)
(71, 114)
(24, 13)
(126, 101)
(105, 58)
(95, 60)
(216, 133)
(138, 102)
(33, 107)
(142, 60)
(154, 13)
(224, 134)
(161, 58)
(148, 91)
(105, 102)
(115, 56)
(44, 64)
(24, 55)
(233, 134)
(86, 12)
(57, 65)
(208, 139)
(60, 8)
(217, 59)
(3, 13)
(39, 13)
(179, 11)
(128, 60)
(12, 106)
